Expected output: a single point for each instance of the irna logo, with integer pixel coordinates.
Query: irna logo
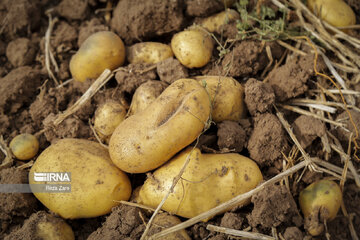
(52, 177)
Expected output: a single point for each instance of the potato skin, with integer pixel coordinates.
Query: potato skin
(322, 198)
(229, 97)
(24, 146)
(95, 181)
(148, 52)
(214, 22)
(148, 139)
(164, 220)
(102, 50)
(204, 176)
(335, 12)
(145, 94)
(193, 47)
(53, 228)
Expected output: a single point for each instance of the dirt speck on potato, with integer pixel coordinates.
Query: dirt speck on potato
(20, 52)
(307, 129)
(274, 206)
(171, 70)
(231, 136)
(259, 96)
(90, 27)
(73, 9)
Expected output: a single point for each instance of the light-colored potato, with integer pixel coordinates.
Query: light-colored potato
(145, 94)
(53, 228)
(229, 97)
(163, 221)
(320, 202)
(193, 47)
(215, 22)
(24, 146)
(148, 139)
(102, 50)
(209, 180)
(148, 52)
(96, 183)
(335, 12)
(107, 117)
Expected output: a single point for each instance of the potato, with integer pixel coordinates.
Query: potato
(193, 47)
(163, 221)
(229, 97)
(334, 12)
(320, 202)
(96, 183)
(102, 50)
(148, 139)
(53, 228)
(214, 22)
(145, 94)
(24, 146)
(107, 117)
(148, 52)
(209, 180)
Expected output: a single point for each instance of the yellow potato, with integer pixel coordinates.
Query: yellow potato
(148, 52)
(334, 12)
(193, 47)
(96, 183)
(209, 180)
(102, 50)
(53, 228)
(214, 22)
(229, 97)
(107, 117)
(148, 139)
(163, 221)
(24, 146)
(145, 94)
(320, 202)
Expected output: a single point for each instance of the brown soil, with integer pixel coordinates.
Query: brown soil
(231, 137)
(171, 70)
(259, 97)
(307, 129)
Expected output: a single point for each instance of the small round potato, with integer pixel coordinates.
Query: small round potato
(335, 12)
(208, 180)
(193, 47)
(24, 146)
(107, 117)
(215, 22)
(320, 202)
(164, 220)
(227, 96)
(145, 94)
(148, 139)
(96, 183)
(53, 228)
(148, 52)
(102, 50)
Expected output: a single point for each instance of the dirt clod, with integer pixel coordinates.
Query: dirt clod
(259, 96)
(88, 28)
(203, 8)
(307, 129)
(73, 9)
(64, 34)
(293, 233)
(231, 220)
(20, 52)
(171, 70)
(231, 137)
(343, 134)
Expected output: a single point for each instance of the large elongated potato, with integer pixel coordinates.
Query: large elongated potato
(209, 180)
(227, 97)
(148, 52)
(148, 139)
(214, 22)
(96, 183)
(102, 50)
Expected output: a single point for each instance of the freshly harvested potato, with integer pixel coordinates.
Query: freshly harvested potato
(193, 47)
(24, 146)
(227, 96)
(53, 228)
(107, 117)
(209, 180)
(164, 220)
(148, 139)
(145, 94)
(148, 52)
(334, 12)
(214, 22)
(96, 183)
(102, 50)
(320, 202)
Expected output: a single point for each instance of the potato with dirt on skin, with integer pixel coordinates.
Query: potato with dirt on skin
(163, 221)
(97, 184)
(107, 117)
(227, 96)
(208, 180)
(145, 94)
(320, 202)
(192, 47)
(148, 139)
(148, 52)
(53, 228)
(24, 146)
(335, 12)
(102, 50)
(216, 21)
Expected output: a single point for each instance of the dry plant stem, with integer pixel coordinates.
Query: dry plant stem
(232, 202)
(136, 205)
(346, 164)
(291, 48)
(9, 159)
(26, 165)
(96, 135)
(345, 68)
(351, 225)
(316, 106)
(99, 82)
(299, 101)
(238, 233)
(334, 168)
(47, 48)
(65, 83)
(336, 91)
